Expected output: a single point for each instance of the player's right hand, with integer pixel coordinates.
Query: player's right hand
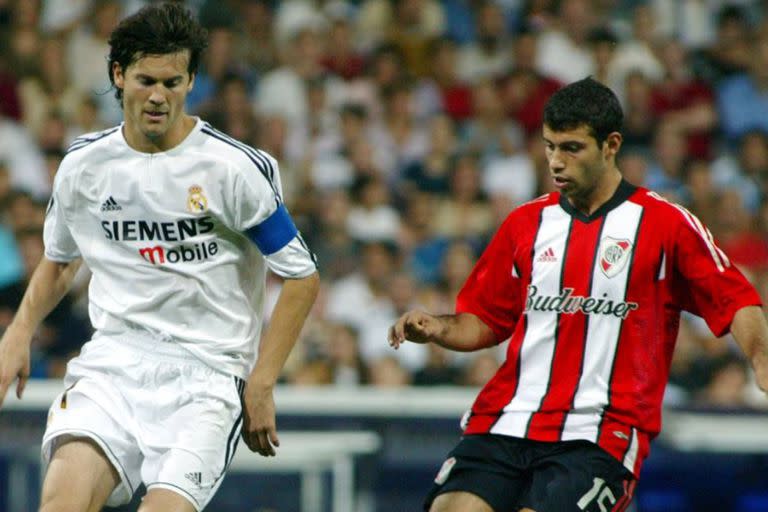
(415, 326)
(14, 361)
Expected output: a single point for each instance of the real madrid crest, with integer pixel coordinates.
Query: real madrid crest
(614, 254)
(196, 201)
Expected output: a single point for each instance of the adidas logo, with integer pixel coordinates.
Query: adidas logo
(194, 477)
(110, 205)
(547, 256)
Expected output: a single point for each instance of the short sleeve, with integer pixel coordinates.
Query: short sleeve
(261, 215)
(708, 285)
(492, 291)
(59, 243)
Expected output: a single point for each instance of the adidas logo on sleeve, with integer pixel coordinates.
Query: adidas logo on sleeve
(110, 205)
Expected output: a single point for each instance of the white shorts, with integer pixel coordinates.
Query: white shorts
(160, 415)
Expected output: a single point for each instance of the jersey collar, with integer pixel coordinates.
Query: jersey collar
(623, 192)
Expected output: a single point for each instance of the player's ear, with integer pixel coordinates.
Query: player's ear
(191, 81)
(117, 75)
(612, 144)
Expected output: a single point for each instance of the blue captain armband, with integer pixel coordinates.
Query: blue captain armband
(275, 232)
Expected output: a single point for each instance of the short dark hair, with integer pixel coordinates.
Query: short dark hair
(586, 102)
(156, 30)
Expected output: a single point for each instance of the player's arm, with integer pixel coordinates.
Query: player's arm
(750, 330)
(462, 332)
(50, 282)
(293, 305)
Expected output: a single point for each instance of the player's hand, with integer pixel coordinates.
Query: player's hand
(415, 326)
(259, 425)
(14, 361)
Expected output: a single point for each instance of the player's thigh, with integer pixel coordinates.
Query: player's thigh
(164, 500)
(459, 501)
(581, 478)
(482, 473)
(79, 477)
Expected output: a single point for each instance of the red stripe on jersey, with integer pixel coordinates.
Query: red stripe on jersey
(616, 438)
(547, 423)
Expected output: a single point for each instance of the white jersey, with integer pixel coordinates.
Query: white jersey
(178, 242)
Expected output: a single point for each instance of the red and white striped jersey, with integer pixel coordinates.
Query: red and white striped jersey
(592, 305)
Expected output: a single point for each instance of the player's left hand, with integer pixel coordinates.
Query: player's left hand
(259, 425)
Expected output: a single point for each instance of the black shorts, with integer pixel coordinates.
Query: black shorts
(510, 473)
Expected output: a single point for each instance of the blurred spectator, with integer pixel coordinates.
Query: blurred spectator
(539, 14)
(637, 54)
(511, 177)
(49, 89)
(229, 110)
(742, 101)
(337, 252)
(462, 18)
(488, 55)
(633, 166)
(726, 386)
(667, 167)
(295, 16)
(283, 90)
(398, 139)
(272, 136)
(330, 159)
(347, 363)
(87, 53)
(86, 119)
(480, 369)
(465, 212)
(444, 90)
(343, 58)
(11, 270)
(563, 51)
(424, 249)
(387, 372)
(701, 193)
(490, 133)
(437, 370)
(24, 44)
(372, 218)
(256, 40)
(24, 159)
(400, 297)
(10, 104)
(746, 169)
(431, 173)
(738, 236)
(731, 51)
(22, 212)
(63, 16)
(525, 91)
(352, 298)
(315, 372)
(455, 267)
(639, 121)
(53, 132)
(385, 69)
(685, 102)
(409, 24)
(63, 332)
(603, 42)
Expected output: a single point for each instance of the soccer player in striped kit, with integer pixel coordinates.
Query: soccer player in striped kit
(588, 282)
(178, 224)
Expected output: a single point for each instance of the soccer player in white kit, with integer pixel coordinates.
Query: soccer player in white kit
(178, 224)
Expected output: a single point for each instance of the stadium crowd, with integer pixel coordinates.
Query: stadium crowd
(406, 130)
